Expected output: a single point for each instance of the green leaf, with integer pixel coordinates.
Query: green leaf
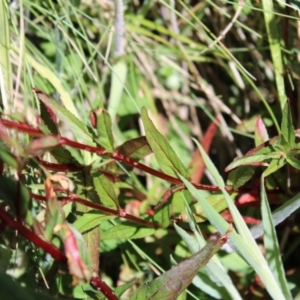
(106, 191)
(274, 165)
(79, 129)
(287, 128)
(249, 251)
(271, 244)
(172, 283)
(293, 161)
(240, 176)
(255, 160)
(126, 230)
(164, 154)
(91, 220)
(104, 129)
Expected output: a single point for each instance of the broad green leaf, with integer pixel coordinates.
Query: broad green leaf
(90, 220)
(106, 191)
(79, 129)
(126, 230)
(15, 195)
(274, 165)
(173, 282)
(287, 128)
(163, 215)
(164, 154)
(271, 244)
(104, 129)
(137, 148)
(240, 176)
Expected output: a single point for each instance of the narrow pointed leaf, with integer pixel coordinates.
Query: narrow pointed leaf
(164, 154)
(104, 129)
(173, 282)
(271, 244)
(249, 252)
(287, 128)
(79, 129)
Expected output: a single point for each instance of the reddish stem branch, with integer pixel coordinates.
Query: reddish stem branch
(96, 282)
(100, 207)
(24, 231)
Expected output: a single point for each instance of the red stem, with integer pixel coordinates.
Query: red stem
(24, 231)
(99, 207)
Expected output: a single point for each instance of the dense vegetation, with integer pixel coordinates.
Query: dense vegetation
(149, 150)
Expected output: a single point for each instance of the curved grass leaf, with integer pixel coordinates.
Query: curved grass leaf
(271, 244)
(246, 248)
(164, 154)
(173, 282)
(279, 215)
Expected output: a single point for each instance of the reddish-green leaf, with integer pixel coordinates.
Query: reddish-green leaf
(39, 146)
(261, 134)
(164, 154)
(172, 283)
(75, 251)
(136, 148)
(54, 212)
(79, 129)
